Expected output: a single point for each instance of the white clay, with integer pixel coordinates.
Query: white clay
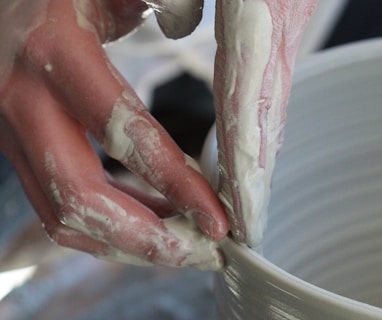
(112, 206)
(76, 220)
(202, 252)
(192, 163)
(56, 195)
(48, 67)
(254, 35)
(117, 144)
(178, 239)
(116, 255)
(50, 167)
(256, 52)
(177, 18)
(82, 9)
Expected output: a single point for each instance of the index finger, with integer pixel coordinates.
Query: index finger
(257, 44)
(141, 144)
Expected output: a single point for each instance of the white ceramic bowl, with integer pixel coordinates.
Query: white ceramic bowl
(322, 252)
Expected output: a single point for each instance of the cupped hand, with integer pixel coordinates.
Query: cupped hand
(56, 86)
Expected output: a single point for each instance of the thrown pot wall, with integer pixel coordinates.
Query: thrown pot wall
(322, 252)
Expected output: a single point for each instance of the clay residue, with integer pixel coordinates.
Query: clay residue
(177, 18)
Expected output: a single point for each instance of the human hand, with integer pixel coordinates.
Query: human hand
(257, 45)
(56, 84)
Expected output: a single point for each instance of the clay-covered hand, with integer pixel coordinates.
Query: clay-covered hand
(257, 45)
(56, 85)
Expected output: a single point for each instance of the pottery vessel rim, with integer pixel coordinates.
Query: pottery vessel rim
(287, 282)
(316, 64)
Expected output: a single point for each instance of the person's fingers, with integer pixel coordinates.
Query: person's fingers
(69, 237)
(201, 252)
(160, 205)
(143, 146)
(110, 20)
(55, 230)
(243, 35)
(257, 44)
(177, 19)
(92, 91)
(72, 178)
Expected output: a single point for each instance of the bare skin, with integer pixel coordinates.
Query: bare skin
(56, 84)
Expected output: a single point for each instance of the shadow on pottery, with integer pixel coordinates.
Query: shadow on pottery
(322, 251)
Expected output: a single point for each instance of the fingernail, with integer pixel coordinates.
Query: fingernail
(205, 223)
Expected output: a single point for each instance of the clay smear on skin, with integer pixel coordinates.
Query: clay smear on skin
(192, 245)
(179, 242)
(244, 34)
(204, 254)
(250, 171)
(119, 145)
(261, 40)
(48, 67)
(83, 9)
(51, 168)
(193, 248)
(79, 216)
(80, 212)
